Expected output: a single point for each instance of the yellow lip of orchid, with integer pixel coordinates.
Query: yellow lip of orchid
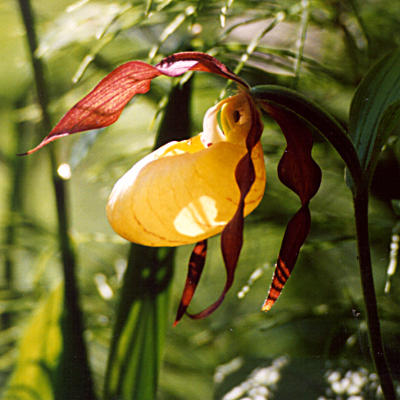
(186, 191)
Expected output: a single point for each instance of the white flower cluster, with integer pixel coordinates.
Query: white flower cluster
(260, 384)
(352, 385)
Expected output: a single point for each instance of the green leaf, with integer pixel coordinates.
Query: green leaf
(39, 353)
(375, 109)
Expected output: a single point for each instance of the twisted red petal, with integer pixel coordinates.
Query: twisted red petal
(299, 172)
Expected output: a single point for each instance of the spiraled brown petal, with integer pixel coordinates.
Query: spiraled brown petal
(299, 172)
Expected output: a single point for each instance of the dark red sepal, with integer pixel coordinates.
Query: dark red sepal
(299, 172)
(104, 104)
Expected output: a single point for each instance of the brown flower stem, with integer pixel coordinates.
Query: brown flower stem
(360, 201)
(74, 348)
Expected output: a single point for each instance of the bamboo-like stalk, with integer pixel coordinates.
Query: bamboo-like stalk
(73, 342)
(16, 168)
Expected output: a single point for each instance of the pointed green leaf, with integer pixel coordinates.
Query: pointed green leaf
(375, 109)
(39, 353)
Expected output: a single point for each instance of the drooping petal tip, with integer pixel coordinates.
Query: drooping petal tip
(267, 305)
(43, 143)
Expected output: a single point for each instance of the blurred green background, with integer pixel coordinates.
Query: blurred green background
(313, 343)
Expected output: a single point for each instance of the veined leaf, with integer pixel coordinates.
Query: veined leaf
(389, 121)
(375, 109)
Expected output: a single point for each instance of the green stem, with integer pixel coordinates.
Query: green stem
(74, 347)
(364, 258)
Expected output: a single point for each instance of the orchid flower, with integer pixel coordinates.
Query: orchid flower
(187, 191)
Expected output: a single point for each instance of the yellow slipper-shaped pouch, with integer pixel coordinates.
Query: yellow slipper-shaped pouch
(186, 191)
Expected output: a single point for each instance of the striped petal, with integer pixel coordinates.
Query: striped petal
(196, 265)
